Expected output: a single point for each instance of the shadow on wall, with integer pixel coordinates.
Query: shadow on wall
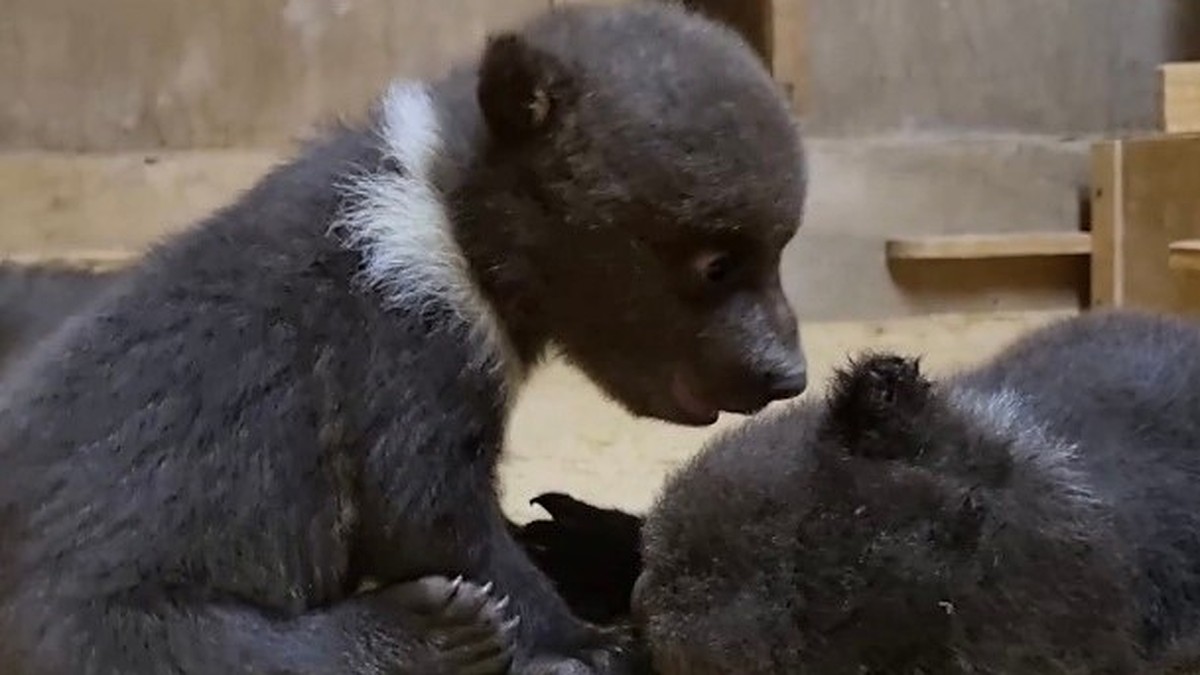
(1184, 28)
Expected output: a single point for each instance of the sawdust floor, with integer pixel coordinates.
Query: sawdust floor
(566, 437)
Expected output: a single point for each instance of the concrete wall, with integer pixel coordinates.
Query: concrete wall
(960, 116)
(866, 191)
(1033, 66)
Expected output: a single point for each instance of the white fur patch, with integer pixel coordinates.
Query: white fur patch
(401, 226)
(1004, 414)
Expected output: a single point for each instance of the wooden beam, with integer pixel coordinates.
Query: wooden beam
(1107, 269)
(96, 262)
(1144, 199)
(117, 201)
(1181, 97)
(789, 49)
(1185, 255)
(982, 246)
(171, 74)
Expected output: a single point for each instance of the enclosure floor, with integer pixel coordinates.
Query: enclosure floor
(566, 437)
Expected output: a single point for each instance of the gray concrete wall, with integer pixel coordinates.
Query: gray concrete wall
(1033, 66)
(865, 191)
(965, 116)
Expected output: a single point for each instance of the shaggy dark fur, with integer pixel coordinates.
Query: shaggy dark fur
(308, 390)
(1037, 514)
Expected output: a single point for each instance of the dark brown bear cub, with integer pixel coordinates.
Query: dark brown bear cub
(310, 388)
(1037, 514)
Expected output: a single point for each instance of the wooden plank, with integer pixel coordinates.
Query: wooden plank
(95, 261)
(1181, 97)
(979, 246)
(1185, 255)
(122, 201)
(1156, 201)
(1107, 268)
(789, 47)
(139, 74)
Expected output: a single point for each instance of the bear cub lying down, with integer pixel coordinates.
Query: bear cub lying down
(1039, 513)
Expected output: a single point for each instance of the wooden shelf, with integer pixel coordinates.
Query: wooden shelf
(982, 246)
(94, 261)
(1185, 255)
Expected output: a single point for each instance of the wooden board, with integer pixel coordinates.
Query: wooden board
(1181, 97)
(153, 74)
(1185, 255)
(1147, 196)
(977, 246)
(1107, 269)
(789, 47)
(138, 74)
(59, 202)
(95, 261)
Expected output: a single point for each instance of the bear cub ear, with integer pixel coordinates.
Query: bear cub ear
(875, 403)
(523, 91)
